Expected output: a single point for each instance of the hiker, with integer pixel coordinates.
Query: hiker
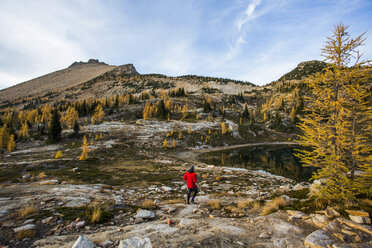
(190, 177)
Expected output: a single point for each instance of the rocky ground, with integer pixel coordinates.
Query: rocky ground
(130, 193)
(228, 213)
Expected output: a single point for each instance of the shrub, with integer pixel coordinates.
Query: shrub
(25, 234)
(26, 211)
(244, 203)
(273, 205)
(215, 204)
(149, 204)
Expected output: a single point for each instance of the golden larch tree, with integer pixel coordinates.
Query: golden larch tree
(11, 143)
(336, 123)
(85, 146)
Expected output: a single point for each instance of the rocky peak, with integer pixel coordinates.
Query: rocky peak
(304, 69)
(90, 62)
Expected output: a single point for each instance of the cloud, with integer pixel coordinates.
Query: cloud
(234, 39)
(248, 14)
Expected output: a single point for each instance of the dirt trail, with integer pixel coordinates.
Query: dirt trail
(192, 156)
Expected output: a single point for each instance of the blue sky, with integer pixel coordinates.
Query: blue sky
(252, 40)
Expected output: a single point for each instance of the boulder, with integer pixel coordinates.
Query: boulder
(320, 220)
(24, 228)
(135, 242)
(296, 214)
(145, 214)
(48, 182)
(360, 219)
(80, 224)
(331, 212)
(83, 242)
(166, 189)
(318, 239)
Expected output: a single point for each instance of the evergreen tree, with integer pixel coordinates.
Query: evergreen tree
(85, 147)
(55, 128)
(337, 121)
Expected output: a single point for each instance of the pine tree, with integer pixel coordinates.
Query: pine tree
(336, 122)
(76, 129)
(11, 143)
(55, 128)
(85, 146)
(165, 144)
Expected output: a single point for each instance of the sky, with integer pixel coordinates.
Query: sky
(251, 40)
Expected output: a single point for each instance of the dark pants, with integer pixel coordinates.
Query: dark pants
(195, 190)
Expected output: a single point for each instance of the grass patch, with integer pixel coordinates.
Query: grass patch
(215, 204)
(273, 205)
(25, 234)
(244, 203)
(27, 211)
(174, 201)
(148, 204)
(299, 194)
(233, 209)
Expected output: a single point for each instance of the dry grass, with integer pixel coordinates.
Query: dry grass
(244, 203)
(26, 211)
(25, 234)
(367, 202)
(256, 205)
(273, 205)
(148, 204)
(174, 201)
(233, 209)
(96, 215)
(204, 176)
(215, 204)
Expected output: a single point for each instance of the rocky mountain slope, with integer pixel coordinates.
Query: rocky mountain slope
(60, 80)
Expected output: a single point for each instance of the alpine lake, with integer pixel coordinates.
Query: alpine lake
(275, 159)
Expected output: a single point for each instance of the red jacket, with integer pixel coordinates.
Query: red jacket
(191, 179)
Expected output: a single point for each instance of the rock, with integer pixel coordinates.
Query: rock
(80, 224)
(240, 243)
(299, 186)
(48, 182)
(138, 220)
(184, 222)
(166, 189)
(363, 228)
(264, 235)
(320, 220)
(358, 213)
(76, 169)
(296, 214)
(145, 214)
(26, 176)
(135, 242)
(24, 228)
(318, 239)
(331, 212)
(83, 242)
(28, 221)
(360, 219)
(49, 220)
(106, 243)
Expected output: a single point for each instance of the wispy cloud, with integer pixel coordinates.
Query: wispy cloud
(248, 14)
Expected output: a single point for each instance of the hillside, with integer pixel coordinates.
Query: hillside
(56, 81)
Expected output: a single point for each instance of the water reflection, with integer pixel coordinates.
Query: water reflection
(278, 160)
